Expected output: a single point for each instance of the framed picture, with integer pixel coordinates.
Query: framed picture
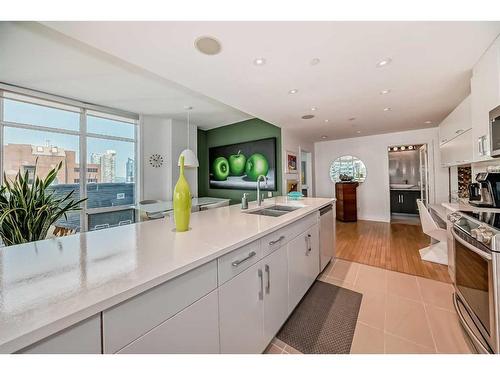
(291, 162)
(292, 185)
(237, 166)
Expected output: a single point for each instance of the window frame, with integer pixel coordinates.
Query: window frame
(83, 135)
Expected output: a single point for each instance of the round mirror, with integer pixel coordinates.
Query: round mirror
(347, 168)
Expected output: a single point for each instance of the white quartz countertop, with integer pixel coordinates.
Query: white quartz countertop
(49, 285)
(163, 206)
(464, 206)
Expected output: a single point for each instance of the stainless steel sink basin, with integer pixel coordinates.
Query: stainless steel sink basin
(275, 211)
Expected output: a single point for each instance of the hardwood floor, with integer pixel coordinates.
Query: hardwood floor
(390, 246)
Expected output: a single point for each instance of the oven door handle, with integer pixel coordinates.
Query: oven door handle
(479, 252)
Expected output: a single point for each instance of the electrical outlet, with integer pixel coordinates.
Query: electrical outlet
(269, 194)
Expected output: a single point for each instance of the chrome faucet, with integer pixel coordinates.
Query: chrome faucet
(259, 198)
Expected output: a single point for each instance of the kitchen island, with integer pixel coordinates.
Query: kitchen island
(146, 288)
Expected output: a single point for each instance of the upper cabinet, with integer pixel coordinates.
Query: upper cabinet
(457, 122)
(485, 95)
(455, 140)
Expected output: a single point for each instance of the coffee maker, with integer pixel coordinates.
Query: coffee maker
(485, 192)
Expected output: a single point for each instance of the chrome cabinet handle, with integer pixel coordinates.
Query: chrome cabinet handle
(268, 271)
(308, 244)
(261, 277)
(236, 263)
(276, 241)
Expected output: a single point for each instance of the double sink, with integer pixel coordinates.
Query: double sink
(274, 211)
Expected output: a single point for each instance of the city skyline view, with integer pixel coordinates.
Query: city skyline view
(20, 112)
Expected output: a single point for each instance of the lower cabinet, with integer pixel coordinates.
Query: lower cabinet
(82, 338)
(303, 264)
(194, 330)
(404, 202)
(275, 292)
(241, 311)
(253, 305)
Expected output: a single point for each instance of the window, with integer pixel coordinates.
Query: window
(19, 109)
(45, 133)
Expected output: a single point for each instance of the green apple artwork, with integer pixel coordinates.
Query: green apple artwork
(239, 165)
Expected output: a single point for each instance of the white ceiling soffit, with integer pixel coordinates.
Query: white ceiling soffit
(429, 74)
(39, 58)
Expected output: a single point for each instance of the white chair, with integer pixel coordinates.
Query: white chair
(435, 252)
(214, 205)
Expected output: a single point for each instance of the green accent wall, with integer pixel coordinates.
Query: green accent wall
(245, 131)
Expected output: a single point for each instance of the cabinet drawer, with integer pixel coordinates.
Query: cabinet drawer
(82, 338)
(275, 240)
(131, 319)
(236, 261)
(194, 330)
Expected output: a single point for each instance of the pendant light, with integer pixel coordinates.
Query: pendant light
(190, 159)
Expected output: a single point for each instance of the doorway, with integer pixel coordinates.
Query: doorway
(306, 173)
(408, 181)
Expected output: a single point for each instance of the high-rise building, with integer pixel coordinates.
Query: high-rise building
(130, 170)
(108, 166)
(23, 157)
(95, 158)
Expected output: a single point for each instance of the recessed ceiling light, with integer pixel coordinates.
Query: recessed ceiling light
(315, 61)
(428, 122)
(259, 61)
(385, 91)
(352, 118)
(384, 62)
(314, 108)
(358, 131)
(307, 117)
(293, 91)
(387, 109)
(208, 45)
(403, 148)
(324, 137)
(410, 147)
(327, 120)
(395, 148)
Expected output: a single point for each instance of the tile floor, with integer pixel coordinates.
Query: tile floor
(399, 313)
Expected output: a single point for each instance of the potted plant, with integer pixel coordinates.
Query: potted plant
(28, 209)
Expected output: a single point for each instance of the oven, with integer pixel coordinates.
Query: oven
(476, 282)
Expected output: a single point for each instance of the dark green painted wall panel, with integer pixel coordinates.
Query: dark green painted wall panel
(244, 131)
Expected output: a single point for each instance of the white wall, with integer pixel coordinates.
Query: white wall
(292, 143)
(373, 194)
(167, 138)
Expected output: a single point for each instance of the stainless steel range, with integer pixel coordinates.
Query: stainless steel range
(476, 244)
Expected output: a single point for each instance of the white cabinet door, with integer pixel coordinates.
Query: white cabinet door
(457, 122)
(458, 151)
(485, 95)
(241, 312)
(195, 330)
(303, 264)
(275, 292)
(82, 338)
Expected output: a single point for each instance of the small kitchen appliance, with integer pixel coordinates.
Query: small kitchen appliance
(485, 192)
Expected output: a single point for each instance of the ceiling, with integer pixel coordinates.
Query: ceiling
(37, 57)
(429, 74)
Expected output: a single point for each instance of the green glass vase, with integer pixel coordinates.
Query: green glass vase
(182, 201)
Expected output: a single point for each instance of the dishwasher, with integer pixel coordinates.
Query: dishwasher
(327, 236)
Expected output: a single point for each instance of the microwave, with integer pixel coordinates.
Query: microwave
(495, 131)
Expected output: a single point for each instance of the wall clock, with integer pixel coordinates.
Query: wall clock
(156, 160)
